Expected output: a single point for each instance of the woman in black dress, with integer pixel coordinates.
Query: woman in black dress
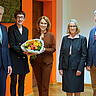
(18, 34)
(72, 60)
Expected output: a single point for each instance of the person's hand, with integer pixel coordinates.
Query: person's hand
(29, 54)
(78, 73)
(88, 68)
(61, 72)
(43, 50)
(9, 70)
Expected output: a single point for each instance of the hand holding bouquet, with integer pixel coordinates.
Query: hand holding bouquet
(35, 46)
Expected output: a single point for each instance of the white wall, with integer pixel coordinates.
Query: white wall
(80, 10)
(59, 32)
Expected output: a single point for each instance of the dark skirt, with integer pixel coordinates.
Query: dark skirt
(72, 83)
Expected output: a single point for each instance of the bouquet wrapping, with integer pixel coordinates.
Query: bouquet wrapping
(33, 46)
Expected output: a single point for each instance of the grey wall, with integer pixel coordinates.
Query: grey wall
(80, 10)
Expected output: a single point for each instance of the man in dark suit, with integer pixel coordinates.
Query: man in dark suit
(5, 63)
(91, 60)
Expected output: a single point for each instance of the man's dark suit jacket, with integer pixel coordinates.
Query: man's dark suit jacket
(92, 48)
(78, 56)
(4, 60)
(5, 50)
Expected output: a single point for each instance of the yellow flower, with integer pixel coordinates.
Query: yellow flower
(36, 47)
(26, 44)
(40, 44)
(29, 48)
(35, 43)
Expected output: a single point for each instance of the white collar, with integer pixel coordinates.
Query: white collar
(76, 36)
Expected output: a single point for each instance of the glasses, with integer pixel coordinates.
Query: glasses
(20, 17)
(72, 26)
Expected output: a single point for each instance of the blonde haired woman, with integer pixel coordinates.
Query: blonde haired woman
(72, 60)
(42, 65)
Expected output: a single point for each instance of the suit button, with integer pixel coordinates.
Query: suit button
(19, 43)
(23, 57)
(18, 57)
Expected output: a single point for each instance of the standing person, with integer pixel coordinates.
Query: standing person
(91, 60)
(72, 60)
(5, 63)
(42, 65)
(18, 34)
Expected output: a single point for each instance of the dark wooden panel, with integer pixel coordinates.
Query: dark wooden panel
(37, 12)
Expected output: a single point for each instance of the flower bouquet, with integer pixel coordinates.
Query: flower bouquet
(35, 46)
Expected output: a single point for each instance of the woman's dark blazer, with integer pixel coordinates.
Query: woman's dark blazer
(78, 56)
(49, 44)
(18, 59)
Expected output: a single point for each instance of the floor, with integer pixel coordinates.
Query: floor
(56, 90)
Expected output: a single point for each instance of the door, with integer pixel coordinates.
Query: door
(37, 12)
